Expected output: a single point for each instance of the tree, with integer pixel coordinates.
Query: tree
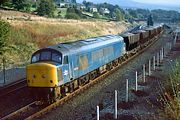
(74, 10)
(95, 15)
(2, 2)
(133, 13)
(70, 10)
(5, 3)
(46, 8)
(72, 16)
(118, 15)
(24, 5)
(4, 35)
(150, 21)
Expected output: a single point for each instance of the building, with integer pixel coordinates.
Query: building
(63, 3)
(80, 6)
(93, 9)
(104, 11)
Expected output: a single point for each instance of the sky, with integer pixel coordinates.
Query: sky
(160, 2)
(156, 2)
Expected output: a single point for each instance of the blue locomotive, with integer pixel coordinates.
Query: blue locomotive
(59, 69)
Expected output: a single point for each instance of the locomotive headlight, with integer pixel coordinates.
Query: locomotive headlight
(34, 76)
(51, 81)
(44, 76)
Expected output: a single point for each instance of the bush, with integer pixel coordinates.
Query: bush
(70, 10)
(172, 93)
(4, 35)
(74, 10)
(96, 15)
(46, 8)
(72, 16)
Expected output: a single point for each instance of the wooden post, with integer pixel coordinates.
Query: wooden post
(115, 116)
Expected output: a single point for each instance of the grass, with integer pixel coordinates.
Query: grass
(63, 12)
(28, 36)
(171, 96)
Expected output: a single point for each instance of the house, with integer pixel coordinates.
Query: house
(80, 6)
(64, 3)
(93, 9)
(61, 5)
(104, 11)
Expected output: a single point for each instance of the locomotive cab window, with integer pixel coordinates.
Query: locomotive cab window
(35, 58)
(56, 57)
(47, 55)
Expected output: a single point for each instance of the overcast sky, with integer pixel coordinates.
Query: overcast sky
(158, 2)
(162, 2)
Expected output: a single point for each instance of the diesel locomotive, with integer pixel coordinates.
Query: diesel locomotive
(60, 69)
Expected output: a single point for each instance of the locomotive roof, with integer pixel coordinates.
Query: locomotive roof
(70, 47)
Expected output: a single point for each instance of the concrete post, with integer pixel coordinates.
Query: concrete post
(149, 67)
(144, 74)
(160, 56)
(157, 59)
(97, 112)
(154, 63)
(136, 82)
(127, 90)
(115, 116)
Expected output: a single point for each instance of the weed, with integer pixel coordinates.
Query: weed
(171, 93)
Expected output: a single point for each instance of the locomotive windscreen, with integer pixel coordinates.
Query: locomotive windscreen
(47, 55)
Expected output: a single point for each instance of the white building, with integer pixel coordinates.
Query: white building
(104, 11)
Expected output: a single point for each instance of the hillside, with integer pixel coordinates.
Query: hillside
(28, 35)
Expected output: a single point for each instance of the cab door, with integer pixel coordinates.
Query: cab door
(65, 70)
(75, 66)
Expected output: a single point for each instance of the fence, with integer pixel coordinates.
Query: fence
(10, 72)
(152, 64)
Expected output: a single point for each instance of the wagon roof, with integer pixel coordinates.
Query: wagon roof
(127, 34)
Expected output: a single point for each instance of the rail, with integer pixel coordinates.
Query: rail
(13, 87)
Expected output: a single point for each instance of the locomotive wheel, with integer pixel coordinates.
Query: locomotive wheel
(71, 87)
(63, 91)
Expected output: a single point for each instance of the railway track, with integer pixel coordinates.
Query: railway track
(21, 112)
(33, 111)
(13, 87)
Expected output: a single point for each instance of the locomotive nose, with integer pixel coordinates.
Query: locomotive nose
(41, 75)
